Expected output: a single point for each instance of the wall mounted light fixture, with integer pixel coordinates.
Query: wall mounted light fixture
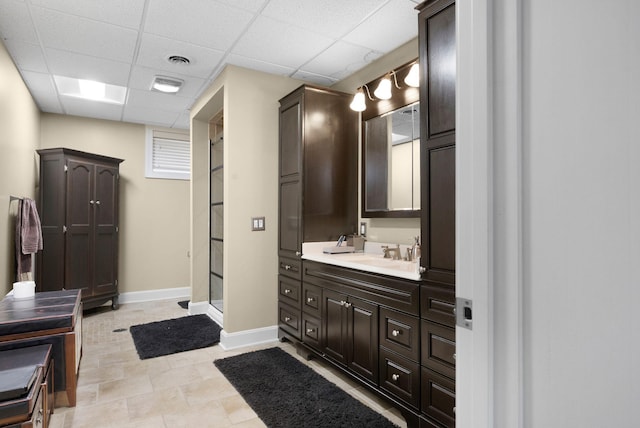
(385, 87)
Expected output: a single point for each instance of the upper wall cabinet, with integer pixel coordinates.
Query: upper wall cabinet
(391, 150)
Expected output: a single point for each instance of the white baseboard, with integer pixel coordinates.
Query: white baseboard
(150, 295)
(244, 338)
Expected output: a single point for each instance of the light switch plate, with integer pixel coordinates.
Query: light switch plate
(257, 223)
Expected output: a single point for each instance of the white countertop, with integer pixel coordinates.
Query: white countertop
(370, 260)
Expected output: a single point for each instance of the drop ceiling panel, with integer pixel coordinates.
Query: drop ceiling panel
(27, 56)
(69, 64)
(126, 13)
(341, 60)
(78, 107)
(15, 22)
(278, 43)
(43, 90)
(88, 37)
(206, 23)
(393, 25)
(183, 121)
(254, 64)
(155, 50)
(165, 102)
(328, 17)
(250, 5)
(141, 78)
(314, 78)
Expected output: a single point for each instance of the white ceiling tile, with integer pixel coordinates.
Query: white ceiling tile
(278, 43)
(88, 37)
(69, 64)
(26, 56)
(391, 26)
(126, 13)
(207, 23)
(183, 121)
(97, 110)
(314, 78)
(49, 104)
(341, 60)
(250, 5)
(141, 78)
(15, 22)
(155, 50)
(253, 64)
(42, 88)
(332, 18)
(161, 101)
(150, 116)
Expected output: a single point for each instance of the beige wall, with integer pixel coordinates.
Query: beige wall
(250, 101)
(19, 134)
(154, 213)
(382, 229)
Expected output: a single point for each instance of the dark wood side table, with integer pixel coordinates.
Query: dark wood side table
(50, 318)
(27, 387)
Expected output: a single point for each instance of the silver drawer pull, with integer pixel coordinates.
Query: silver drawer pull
(287, 319)
(287, 267)
(395, 333)
(92, 202)
(395, 377)
(347, 304)
(454, 357)
(298, 253)
(310, 330)
(97, 202)
(287, 291)
(342, 303)
(454, 410)
(310, 299)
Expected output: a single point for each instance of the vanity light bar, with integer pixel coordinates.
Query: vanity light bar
(384, 88)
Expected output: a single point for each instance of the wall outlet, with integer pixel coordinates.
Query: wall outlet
(257, 223)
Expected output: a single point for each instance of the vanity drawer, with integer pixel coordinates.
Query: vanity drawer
(437, 304)
(311, 331)
(439, 397)
(400, 377)
(289, 291)
(311, 299)
(439, 348)
(289, 319)
(290, 267)
(400, 332)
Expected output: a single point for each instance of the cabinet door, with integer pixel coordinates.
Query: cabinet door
(79, 239)
(290, 207)
(290, 137)
(362, 325)
(105, 207)
(335, 325)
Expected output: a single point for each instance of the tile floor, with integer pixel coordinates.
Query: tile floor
(117, 389)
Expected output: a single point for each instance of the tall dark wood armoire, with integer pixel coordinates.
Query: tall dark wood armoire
(78, 206)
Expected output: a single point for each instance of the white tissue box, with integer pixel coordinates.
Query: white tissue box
(24, 289)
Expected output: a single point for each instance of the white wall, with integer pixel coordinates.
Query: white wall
(554, 298)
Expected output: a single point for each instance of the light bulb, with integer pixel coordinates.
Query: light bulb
(383, 91)
(358, 103)
(413, 77)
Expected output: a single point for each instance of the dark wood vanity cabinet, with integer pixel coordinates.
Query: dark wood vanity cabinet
(318, 187)
(78, 206)
(437, 45)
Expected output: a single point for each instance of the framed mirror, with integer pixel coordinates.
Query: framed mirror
(391, 154)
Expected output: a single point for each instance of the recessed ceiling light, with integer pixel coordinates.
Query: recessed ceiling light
(90, 90)
(169, 85)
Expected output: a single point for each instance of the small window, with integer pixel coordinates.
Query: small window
(168, 154)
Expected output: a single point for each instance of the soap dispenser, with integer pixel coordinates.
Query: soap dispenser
(416, 252)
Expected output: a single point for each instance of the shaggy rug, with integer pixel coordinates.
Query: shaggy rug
(286, 393)
(175, 335)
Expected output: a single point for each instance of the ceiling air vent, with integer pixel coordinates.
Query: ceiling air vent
(178, 60)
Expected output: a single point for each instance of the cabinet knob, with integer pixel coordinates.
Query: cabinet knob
(97, 202)
(422, 269)
(92, 202)
(298, 253)
(395, 377)
(310, 299)
(287, 319)
(347, 304)
(454, 357)
(287, 291)
(342, 303)
(395, 333)
(310, 330)
(454, 410)
(287, 267)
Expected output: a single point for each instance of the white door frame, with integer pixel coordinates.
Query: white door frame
(488, 212)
